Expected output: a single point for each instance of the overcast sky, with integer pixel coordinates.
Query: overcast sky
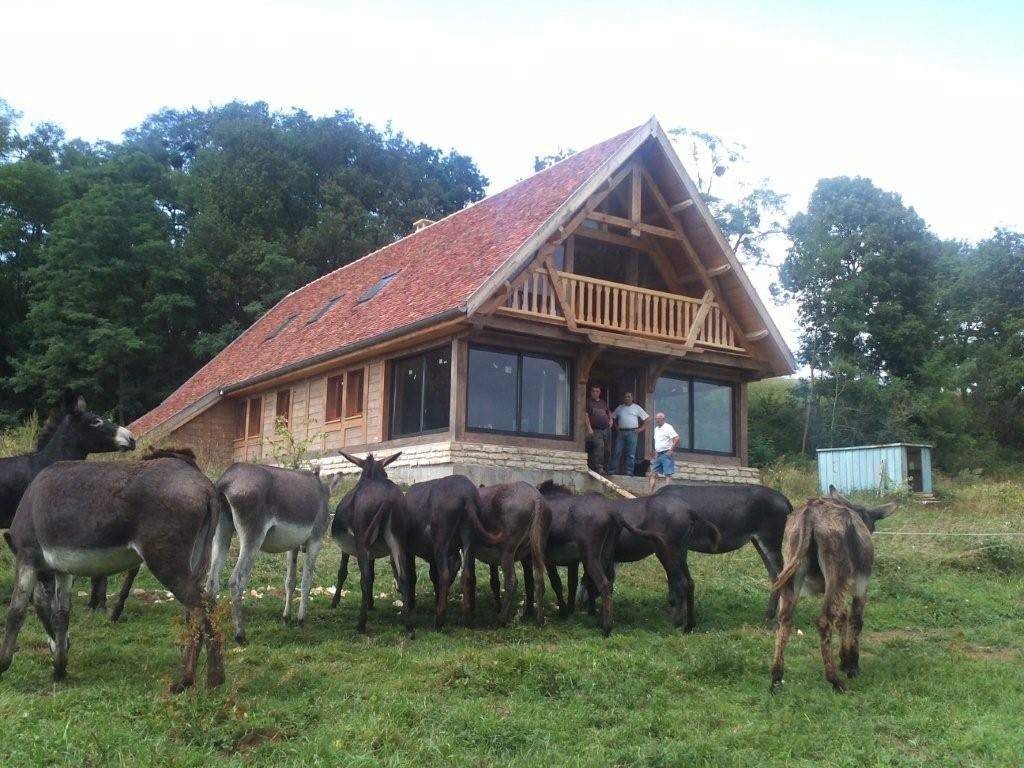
(925, 98)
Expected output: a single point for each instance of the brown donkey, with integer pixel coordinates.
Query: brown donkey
(827, 548)
(92, 518)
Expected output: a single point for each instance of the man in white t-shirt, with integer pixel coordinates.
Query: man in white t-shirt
(665, 441)
(629, 421)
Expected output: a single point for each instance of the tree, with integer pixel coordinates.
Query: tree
(862, 270)
(751, 213)
(109, 308)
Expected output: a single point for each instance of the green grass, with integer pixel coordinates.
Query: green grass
(942, 682)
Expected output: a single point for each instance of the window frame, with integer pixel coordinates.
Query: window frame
(393, 364)
(245, 406)
(733, 427)
(519, 354)
(287, 392)
(347, 394)
(340, 403)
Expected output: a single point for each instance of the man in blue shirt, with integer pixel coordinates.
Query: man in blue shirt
(628, 420)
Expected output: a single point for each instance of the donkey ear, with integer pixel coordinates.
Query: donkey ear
(837, 496)
(391, 458)
(353, 459)
(883, 511)
(69, 401)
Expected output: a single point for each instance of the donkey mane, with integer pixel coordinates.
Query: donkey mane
(183, 454)
(550, 487)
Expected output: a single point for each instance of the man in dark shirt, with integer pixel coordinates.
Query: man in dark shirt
(599, 420)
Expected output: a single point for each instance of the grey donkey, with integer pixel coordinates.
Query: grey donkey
(273, 510)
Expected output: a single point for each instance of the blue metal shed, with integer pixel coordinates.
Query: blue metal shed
(869, 467)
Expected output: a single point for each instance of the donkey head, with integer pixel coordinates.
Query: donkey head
(82, 432)
(869, 516)
(372, 469)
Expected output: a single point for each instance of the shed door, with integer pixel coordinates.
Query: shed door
(914, 475)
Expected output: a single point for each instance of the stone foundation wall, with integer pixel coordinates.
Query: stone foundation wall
(489, 464)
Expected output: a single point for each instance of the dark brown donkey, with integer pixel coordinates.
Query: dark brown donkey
(72, 433)
(583, 529)
(827, 548)
(370, 522)
(82, 518)
(666, 527)
(516, 512)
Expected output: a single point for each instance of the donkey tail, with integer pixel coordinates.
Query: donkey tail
(373, 529)
(539, 534)
(649, 535)
(202, 551)
(473, 510)
(795, 543)
(711, 528)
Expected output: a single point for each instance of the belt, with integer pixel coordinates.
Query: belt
(628, 429)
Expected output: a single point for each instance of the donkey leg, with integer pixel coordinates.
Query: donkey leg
(365, 584)
(221, 546)
(400, 562)
(508, 567)
(342, 575)
(24, 585)
(594, 564)
(677, 586)
(291, 561)
(691, 619)
(214, 644)
(126, 588)
(98, 593)
(849, 656)
(556, 587)
(61, 616)
(496, 587)
(308, 569)
(444, 577)
(42, 600)
(787, 605)
(528, 604)
(827, 619)
(572, 576)
(772, 566)
(249, 545)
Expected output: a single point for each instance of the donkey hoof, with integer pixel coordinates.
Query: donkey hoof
(59, 674)
(838, 686)
(181, 686)
(240, 638)
(302, 622)
(851, 670)
(775, 687)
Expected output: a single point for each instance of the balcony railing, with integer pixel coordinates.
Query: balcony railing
(621, 308)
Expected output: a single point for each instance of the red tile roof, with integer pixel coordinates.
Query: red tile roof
(439, 268)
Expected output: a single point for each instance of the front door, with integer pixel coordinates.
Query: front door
(614, 383)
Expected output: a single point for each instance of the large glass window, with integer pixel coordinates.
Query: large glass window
(712, 417)
(420, 392)
(701, 412)
(518, 393)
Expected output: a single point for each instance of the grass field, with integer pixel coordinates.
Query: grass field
(942, 681)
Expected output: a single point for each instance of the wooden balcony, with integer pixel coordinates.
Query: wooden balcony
(623, 309)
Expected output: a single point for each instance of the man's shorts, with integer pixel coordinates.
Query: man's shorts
(663, 466)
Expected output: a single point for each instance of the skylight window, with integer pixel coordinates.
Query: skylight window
(378, 287)
(323, 310)
(282, 326)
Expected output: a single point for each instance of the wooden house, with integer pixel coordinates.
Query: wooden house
(470, 343)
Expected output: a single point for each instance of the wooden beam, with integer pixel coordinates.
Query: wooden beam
(612, 486)
(570, 254)
(587, 359)
(757, 335)
(618, 221)
(556, 285)
(698, 322)
(721, 269)
(569, 227)
(639, 344)
(611, 237)
(634, 202)
(680, 207)
(654, 373)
